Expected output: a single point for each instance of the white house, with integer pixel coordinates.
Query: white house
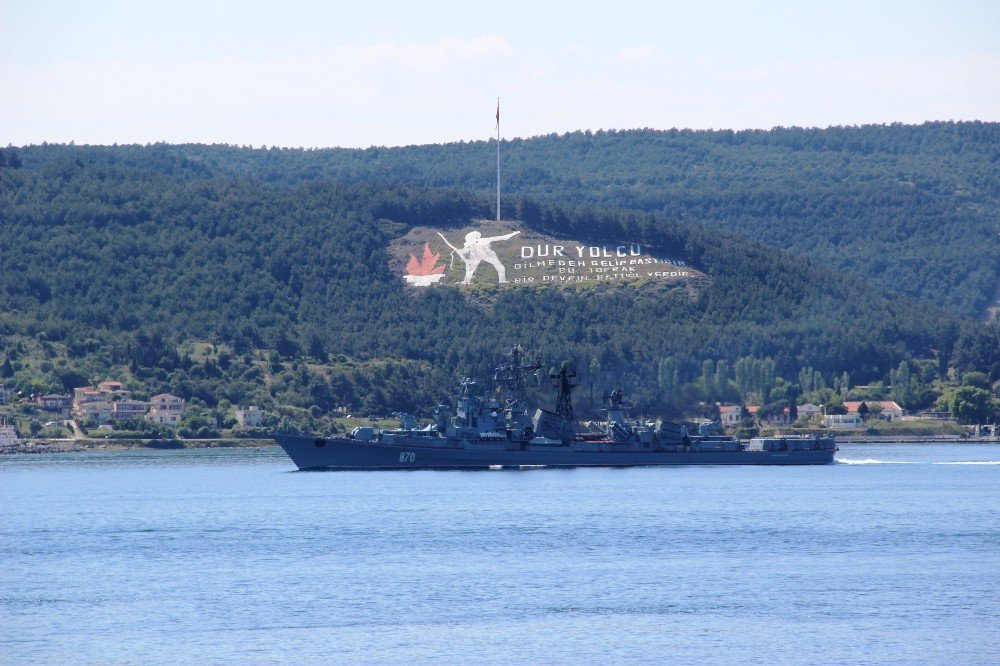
(809, 411)
(101, 411)
(890, 410)
(165, 409)
(252, 416)
(126, 410)
(55, 402)
(730, 414)
(843, 421)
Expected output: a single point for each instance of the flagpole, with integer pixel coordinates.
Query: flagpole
(498, 159)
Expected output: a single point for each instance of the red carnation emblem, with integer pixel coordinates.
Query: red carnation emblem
(425, 272)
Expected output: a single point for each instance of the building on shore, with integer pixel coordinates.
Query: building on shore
(55, 402)
(165, 409)
(85, 394)
(250, 417)
(890, 410)
(130, 410)
(843, 421)
(730, 415)
(108, 401)
(100, 411)
(113, 389)
(809, 412)
(107, 390)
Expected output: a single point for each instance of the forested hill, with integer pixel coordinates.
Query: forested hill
(111, 266)
(914, 209)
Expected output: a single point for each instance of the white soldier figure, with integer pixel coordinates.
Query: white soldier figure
(476, 250)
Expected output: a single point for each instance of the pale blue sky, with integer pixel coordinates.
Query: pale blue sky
(394, 73)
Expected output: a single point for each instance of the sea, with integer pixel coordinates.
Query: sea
(231, 556)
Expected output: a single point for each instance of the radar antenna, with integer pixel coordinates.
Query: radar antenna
(565, 382)
(510, 377)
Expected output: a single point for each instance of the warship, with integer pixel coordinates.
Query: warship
(498, 430)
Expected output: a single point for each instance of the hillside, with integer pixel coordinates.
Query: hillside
(914, 209)
(120, 270)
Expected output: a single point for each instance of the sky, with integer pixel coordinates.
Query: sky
(387, 73)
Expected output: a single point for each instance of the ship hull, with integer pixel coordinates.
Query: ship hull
(340, 453)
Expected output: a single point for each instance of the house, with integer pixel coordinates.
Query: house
(107, 390)
(55, 402)
(843, 421)
(5, 394)
(730, 415)
(112, 388)
(809, 411)
(129, 410)
(165, 409)
(250, 417)
(890, 410)
(85, 394)
(101, 411)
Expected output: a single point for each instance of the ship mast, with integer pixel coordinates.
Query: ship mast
(564, 381)
(510, 378)
(498, 159)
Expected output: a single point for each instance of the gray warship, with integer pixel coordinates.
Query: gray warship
(498, 430)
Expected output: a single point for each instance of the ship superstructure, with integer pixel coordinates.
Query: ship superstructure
(496, 429)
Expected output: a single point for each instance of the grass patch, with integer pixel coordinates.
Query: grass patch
(916, 427)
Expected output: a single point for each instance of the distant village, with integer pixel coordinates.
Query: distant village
(854, 419)
(109, 405)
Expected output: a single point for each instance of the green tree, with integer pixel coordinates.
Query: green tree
(771, 409)
(902, 385)
(835, 405)
(863, 410)
(970, 404)
(977, 379)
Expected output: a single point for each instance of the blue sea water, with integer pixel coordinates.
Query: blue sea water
(892, 555)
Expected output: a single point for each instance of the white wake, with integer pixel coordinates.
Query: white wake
(872, 461)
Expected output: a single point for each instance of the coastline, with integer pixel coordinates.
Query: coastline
(37, 446)
(916, 439)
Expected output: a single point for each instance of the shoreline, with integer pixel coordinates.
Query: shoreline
(37, 446)
(916, 439)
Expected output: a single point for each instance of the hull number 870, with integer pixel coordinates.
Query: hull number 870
(407, 456)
